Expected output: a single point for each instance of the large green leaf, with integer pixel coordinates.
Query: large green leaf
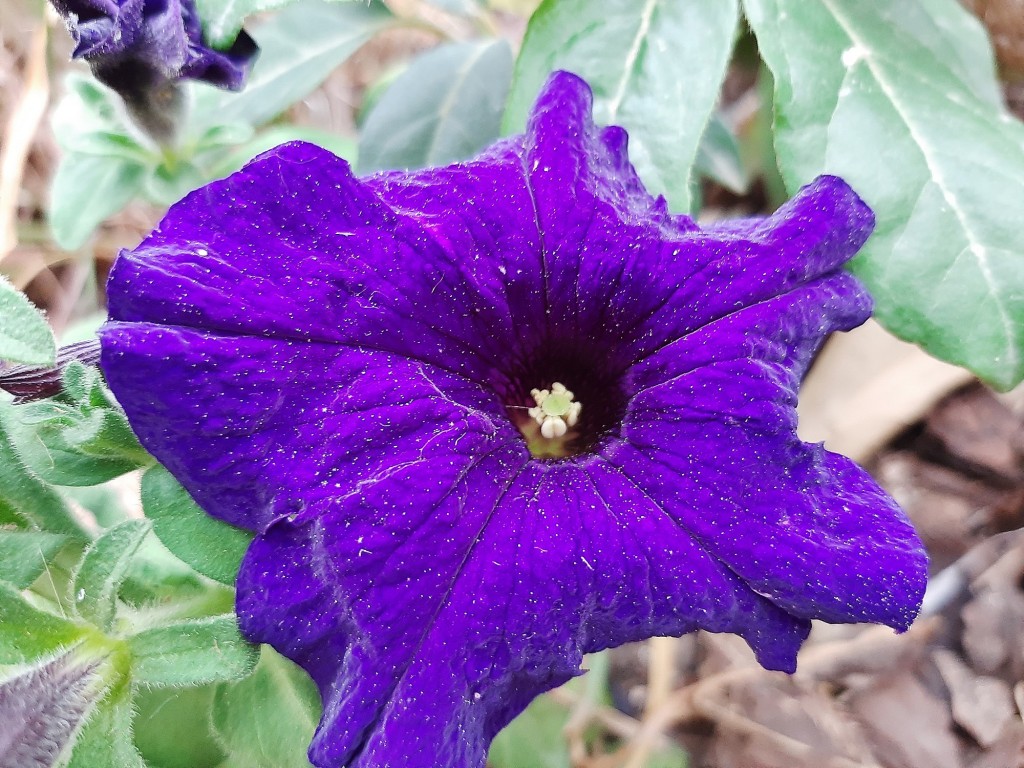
(102, 165)
(25, 336)
(907, 121)
(299, 48)
(267, 720)
(213, 548)
(445, 107)
(656, 67)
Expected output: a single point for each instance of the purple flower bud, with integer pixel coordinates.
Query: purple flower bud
(28, 383)
(42, 708)
(141, 48)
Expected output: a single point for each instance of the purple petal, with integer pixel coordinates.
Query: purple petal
(337, 364)
(781, 507)
(273, 425)
(427, 628)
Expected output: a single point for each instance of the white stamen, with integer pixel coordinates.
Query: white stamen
(556, 410)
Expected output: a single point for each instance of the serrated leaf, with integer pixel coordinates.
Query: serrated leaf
(28, 632)
(899, 118)
(213, 548)
(445, 107)
(25, 500)
(25, 336)
(103, 569)
(299, 48)
(192, 652)
(644, 77)
(106, 739)
(87, 189)
(267, 720)
(24, 555)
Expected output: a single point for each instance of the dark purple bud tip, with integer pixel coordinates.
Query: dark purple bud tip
(28, 383)
(143, 48)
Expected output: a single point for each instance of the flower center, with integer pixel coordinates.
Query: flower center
(556, 410)
(546, 394)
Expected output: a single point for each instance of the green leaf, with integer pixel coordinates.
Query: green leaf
(299, 48)
(212, 547)
(106, 739)
(656, 67)
(445, 107)
(718, 157)
(192, 652)
(28, 632)
(222, 19)
(534, 739)
(172, 727)
(90, 120)
(956, 37)
(25, 500)
(900, 119)
(156, 578)
(25, 336)
(24, 554)
(82, 438)
(267, 720)
(86, 190)
(106, 502)
(102, 166)
(276, 135)
(103, 569)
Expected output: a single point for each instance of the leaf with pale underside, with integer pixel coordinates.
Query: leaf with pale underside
(445, 107)
(907, 122)
(655, 66)
(25, 336)
(299, 48)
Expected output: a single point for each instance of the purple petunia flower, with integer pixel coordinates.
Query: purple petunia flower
(141, 48)
(348, 367)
